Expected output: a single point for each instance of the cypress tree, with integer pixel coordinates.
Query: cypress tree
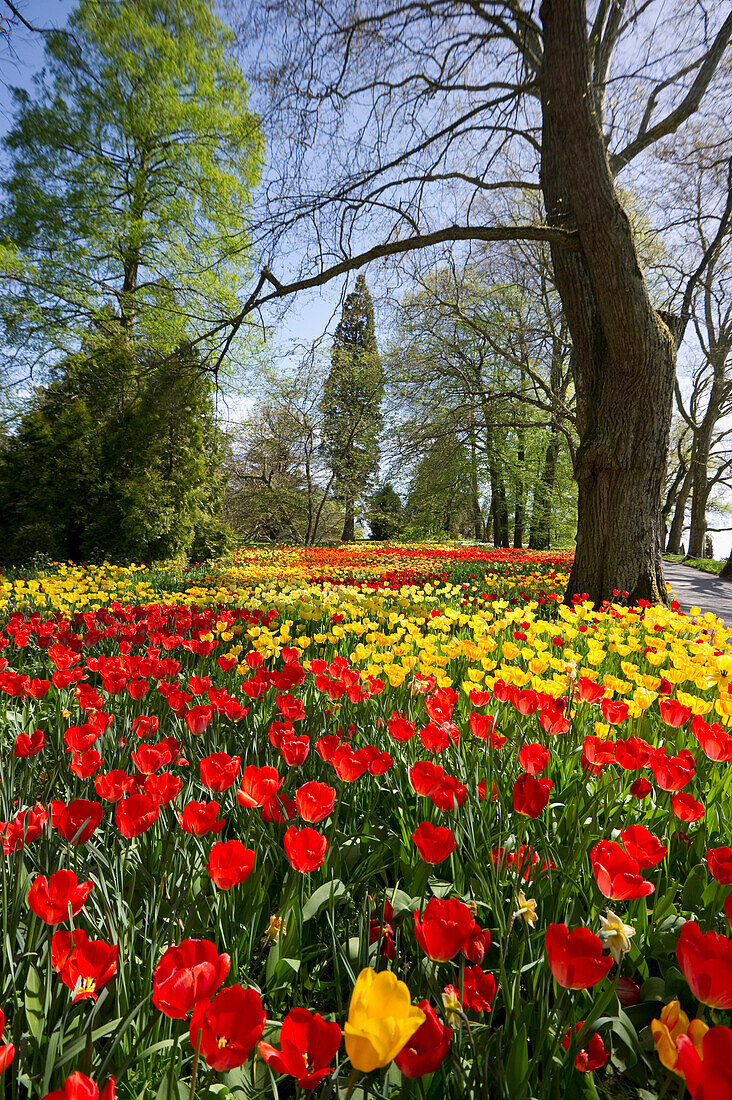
(351, 404)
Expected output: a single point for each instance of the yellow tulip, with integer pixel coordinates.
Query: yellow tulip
(381, 1019)
(675, 1022)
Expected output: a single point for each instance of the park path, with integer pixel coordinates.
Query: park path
(693, 588)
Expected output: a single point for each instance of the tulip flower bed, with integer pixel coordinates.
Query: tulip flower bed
(348, 823)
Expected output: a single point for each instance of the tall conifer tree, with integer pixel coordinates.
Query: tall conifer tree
(352, 404)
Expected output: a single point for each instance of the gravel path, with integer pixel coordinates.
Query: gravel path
(693, 588)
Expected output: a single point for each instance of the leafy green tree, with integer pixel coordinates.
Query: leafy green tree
(385, 513)
(116, 459)
(352, 404)
(132, 165)
(440, 500)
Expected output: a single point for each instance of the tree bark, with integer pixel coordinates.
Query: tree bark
(475, 499)
(349, 521)
(673, 545)
(519, 503)
(700, 458)
(541, 511)
(726, 573)
(623, 354)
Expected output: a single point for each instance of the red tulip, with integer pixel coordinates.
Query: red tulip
(80, 1087)
(632, 753)
(325, 746)
(728, 909)
(479, 989)
(425, 777)
(616, 872)
(444, 928)
(349, 765)
(719, 862)
(640, 788)
(291, 707)
(709, 1076)
(400, 728)
(434, 843)
(81, 738)
(591, 1057)
(687, 808)
(87, 964)
(201, 818)
(162, 788)
(643, 846)
(114, 785)
(706, 962)
(449, 793)
(628, 992)
(23, 828)
(588, 691)
(136, 814)
(77, 821)
(187, 973)
(258, 785)
(434, 738)
(673, 713)
(308, 1044)
(477, 944)
(427, 1049)
(672, 772)
(50, 899)
(85, 764)
(526, 701)
(198, 719)
(151, 758)
(575, 957)
(62, 944)
(219, 771)
(531, 795)
(294, 749)
(379, 762)
(229, 863)
(482, 726)
(137, 688)
(227, 1028)
(614, 711)
(7, 1050)
(715, 742)
(305, 849)
(29, 744)
(279, 809)
(315, 801)
(533, 757)
(145, 725)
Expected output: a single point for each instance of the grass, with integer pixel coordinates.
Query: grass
(706, 565)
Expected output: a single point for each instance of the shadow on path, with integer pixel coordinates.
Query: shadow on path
(693, 588)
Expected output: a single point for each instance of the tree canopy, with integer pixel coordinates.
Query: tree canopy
(132, 167)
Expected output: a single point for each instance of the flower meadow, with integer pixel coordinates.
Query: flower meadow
(386, 821)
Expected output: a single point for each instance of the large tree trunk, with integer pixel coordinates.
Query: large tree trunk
(700, 460)
(519, 493)
(349, 521)
(541, 511)
(623, 355)
(499, 509)
(726, 573)
(699, 493)
(474, 497)
(673, 545)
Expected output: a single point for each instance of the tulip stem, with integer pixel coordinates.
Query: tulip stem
(194, 1071)
(173, 1059)
(352, 1080)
